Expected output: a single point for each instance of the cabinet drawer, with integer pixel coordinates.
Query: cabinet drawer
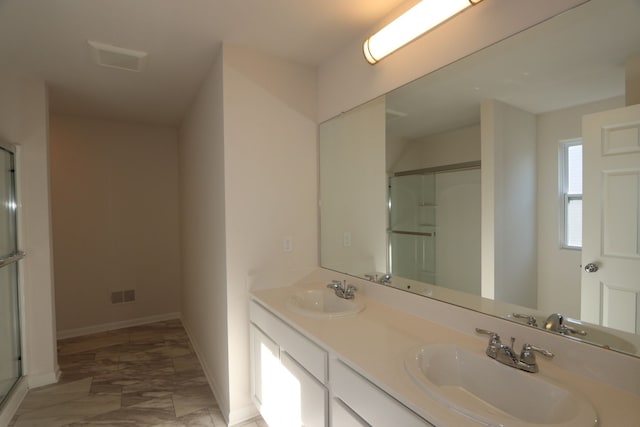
(312, 357)
(367, 400)
(343, 416)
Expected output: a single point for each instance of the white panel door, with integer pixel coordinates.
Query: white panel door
(611, 218)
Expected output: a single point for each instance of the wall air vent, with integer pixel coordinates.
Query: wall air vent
(107, 55)
(129, 295)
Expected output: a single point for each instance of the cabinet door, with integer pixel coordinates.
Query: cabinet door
(284, 392)
(343, 416)
(307, 403)
(275, 389)
(265, 358)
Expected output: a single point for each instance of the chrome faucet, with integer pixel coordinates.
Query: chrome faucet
(385, 280)
(342, 290)
(555, 322)
(505, 354)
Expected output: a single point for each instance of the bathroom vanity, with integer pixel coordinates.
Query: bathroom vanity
(323, 368)
(298, 387)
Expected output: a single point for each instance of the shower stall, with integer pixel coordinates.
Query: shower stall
(10, 342)
(434, 226)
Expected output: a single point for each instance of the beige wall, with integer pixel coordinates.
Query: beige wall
(271, 181)
(248, 179)
(114, 201)
(202, 231)
(456, 146)
(24, 122)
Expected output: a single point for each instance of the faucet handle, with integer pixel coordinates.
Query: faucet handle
(494, 342)
(528, 356)
(492, 334)
(335, 284)
(349, 292)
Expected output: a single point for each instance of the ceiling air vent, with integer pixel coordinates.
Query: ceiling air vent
(117, 57)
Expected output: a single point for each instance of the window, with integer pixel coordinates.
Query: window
(571, 168)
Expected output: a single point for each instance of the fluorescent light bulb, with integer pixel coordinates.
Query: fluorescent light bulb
(413, 23)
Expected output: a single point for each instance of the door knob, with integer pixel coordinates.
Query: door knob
(591, 268)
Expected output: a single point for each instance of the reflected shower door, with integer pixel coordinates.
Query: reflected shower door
(434, 226)
(10, 354)
(412, 227)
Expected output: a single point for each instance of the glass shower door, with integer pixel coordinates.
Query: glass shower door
(10, 348)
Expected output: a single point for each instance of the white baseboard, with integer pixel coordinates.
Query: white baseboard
(243, 415)
(40, 380)
(15, 398)
(70, 333)
(223, 404)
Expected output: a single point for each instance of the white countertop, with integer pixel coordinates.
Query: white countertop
(376, 341)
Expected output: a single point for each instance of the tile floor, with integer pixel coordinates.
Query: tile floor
(140, 376)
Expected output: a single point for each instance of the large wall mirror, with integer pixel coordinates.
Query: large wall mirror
(507, 182)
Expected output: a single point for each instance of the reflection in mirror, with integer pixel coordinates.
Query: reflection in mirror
(398, 195)
(353, 191)
(434, 226)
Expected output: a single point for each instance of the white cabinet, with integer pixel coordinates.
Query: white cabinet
(288, 373)
(308, 354)
(291, 378)
(343, 416)
(370, 403)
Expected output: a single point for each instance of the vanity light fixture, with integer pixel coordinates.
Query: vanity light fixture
(413, 23)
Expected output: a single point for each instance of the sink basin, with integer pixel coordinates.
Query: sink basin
(493, 394)
(323, 303)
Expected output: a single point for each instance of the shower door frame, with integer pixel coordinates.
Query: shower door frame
(14, 258)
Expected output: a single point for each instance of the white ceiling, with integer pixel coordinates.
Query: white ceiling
(49, 38)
